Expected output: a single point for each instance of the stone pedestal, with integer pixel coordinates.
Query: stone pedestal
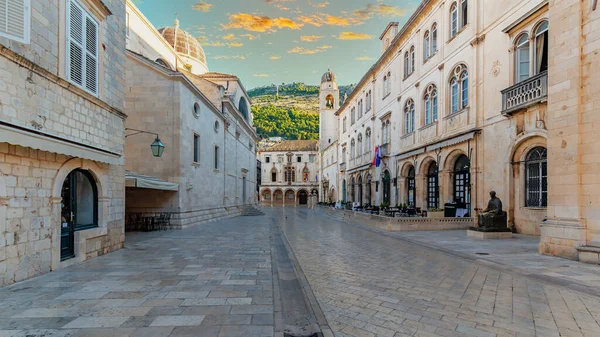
(489, 235)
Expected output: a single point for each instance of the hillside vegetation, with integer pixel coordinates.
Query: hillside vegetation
(294, 114)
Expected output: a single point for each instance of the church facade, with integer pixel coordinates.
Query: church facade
(204, 120)
(466, 99)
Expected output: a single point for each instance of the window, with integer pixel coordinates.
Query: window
(290, 174)
(431, 104)
(352, 149)
(389, 83)
(82, 48)
(369, 100)
(127, 24)
(343, 155)
(536, 178)
(243, 108)
(352, 116)
(289, 158)
(15, 16)
(311, 158)
(426, 46)
(406, 64)
(385, 132)
(274, 175)
(267, 159)
(522, 58)
(432, 186)
(299, 159)
(459, 88)
(541, 48)
(412, 59)
(360, 109)
(462, 181)
(360, 145)
(196, 149)
(280, 159)
(79, 200)
(409, 116)
(434, 39)
(385, 81)
(368, 141)
(216, 126)
(305, 175)
(216, 157)
(410, 182)
(459, 17)
(344, 125)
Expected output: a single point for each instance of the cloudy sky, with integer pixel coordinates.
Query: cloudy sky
(283, 41)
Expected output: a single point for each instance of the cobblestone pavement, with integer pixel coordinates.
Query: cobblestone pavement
(370, 284)
(212, 280)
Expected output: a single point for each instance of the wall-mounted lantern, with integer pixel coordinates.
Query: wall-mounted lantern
(157, 146)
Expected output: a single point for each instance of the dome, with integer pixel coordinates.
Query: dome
(328, 77)
(184, 43)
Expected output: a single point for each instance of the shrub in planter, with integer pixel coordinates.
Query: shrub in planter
(435, 213)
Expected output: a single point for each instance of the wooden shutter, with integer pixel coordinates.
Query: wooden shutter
(82, 48)
(15, 20)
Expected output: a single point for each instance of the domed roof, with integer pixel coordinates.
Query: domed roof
(328, 77)
(183, 42)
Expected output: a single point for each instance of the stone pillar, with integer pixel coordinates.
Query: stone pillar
(573, 92)
(446, 187)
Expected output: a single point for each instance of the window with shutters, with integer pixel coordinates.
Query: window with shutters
(82, 48)
(15, 18)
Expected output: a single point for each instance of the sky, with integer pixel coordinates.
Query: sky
(282, 41)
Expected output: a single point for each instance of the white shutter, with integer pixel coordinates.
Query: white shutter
(82, 66)
(15, 19)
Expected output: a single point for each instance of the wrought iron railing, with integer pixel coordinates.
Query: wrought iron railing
(522, 94)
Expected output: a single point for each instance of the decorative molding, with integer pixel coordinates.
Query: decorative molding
(441, 66)
(417, 84)
(477, 40)
(98, 8)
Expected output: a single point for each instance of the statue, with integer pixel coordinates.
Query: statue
(493, 217)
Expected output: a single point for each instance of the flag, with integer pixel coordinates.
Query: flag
(378, 157)
(375, 157)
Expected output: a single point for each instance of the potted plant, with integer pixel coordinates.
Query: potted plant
(435, 213)
(384, 205)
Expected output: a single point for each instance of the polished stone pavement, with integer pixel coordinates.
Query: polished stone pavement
(371, 284)
(217, 280)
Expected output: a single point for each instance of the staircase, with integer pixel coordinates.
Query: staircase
(251, 211)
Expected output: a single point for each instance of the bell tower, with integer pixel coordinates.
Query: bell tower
(329, 96)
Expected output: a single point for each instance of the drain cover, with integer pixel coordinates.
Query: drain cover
(482, 253)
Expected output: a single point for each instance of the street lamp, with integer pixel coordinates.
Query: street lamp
(157, 146)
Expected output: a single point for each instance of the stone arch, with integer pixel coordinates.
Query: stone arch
(405, 168)
(83, 164)
(266, 196)
(329, 101)
(450, 159)
(302, 197)
(424, 165)
(289, 197)
(278, 197)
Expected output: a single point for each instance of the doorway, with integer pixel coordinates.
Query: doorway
(244, 190)
(303, 198)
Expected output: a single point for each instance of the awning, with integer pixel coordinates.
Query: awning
(133, 179)
(39, 141)
(452, 141)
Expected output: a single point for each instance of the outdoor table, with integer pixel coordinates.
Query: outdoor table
(391, 212)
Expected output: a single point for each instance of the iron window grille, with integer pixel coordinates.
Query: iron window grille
(536, 178)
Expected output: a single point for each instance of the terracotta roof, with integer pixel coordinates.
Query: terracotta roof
(294, 145)
(213, 74)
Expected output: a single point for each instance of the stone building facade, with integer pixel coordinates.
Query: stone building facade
(290, 173)
(203, 118)
(458, 79)
(61, 135)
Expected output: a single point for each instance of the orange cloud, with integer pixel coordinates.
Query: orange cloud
(354, 36)
(310, 38)
(229, 37)
(305, 51)
(229, 57)
(379, 10)
(274, 57)
(214, 44)
(319, 4)
(365, 58)
(202, 6)
(319, 20)
(250, 37)
(235, 44)
(260, 24)
(261, 75)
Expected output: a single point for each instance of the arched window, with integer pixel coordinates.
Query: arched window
(360, 145)
(412, 59)
(462, 181)
(274, 175)
(352, 190)
(387, 186)
(536, 178)
(360, 190)
(163, 63)
(406, 64)
(453, 19)
(389, 83)
(432, 186)
(329, 102)
(360, 109)
(541, 48)
(368, 141)
(385, 132)
(352, 116)
(459, 88)
(305, 174)
(369, 100)
(431, 104)
(352, 149)
(243, 108)
(426, 46)
(409, 116)
(290, 174)
(434, 38)
(385, 81)
(410, 182)
(522, 58)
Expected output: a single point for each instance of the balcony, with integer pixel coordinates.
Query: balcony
(385, 150)
(521, 95)
(343, 167)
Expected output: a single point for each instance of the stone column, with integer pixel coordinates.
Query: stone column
(446, 187)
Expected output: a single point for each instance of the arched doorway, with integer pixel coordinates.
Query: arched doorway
(79, 209)
(360, 190)
(266, 197)
(352, 190)
(387, 181)
(278, 198)
(344, 196)
(368, 201)
(303, 198)
(432, 186)
(290, 197)
(462, 181)
(411, 187)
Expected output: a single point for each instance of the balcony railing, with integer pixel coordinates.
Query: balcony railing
(343, 166)
(385, 150)
(532, 90)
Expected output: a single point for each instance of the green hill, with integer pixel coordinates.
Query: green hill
(293, 114)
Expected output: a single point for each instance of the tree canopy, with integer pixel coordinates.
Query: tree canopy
(290, 123)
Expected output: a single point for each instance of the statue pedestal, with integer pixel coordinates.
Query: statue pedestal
(489, 233)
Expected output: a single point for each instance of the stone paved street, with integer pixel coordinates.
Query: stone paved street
(369, 284)
(211, 280)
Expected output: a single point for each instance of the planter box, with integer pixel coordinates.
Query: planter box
(435, 215)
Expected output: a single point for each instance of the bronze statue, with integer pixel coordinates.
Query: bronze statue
(489, 217)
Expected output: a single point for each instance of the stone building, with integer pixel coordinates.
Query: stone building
(458, 79)
(204, 120)
(329, 102)
(62, 66)
(290, 173)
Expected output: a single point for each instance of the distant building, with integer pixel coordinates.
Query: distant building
(289, 173)
(204, 120)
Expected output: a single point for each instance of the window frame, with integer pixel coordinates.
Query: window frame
(459, 88)
(196, 148)
(26, 25)
(430, 104)
(83, 45)
(216, 163)
(542, 164)
(522, 44)
(426, 46)
(409, 116)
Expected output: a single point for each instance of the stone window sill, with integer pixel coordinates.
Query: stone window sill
(407, 135)
(452, 114)
(457, 33)
(428, 126)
